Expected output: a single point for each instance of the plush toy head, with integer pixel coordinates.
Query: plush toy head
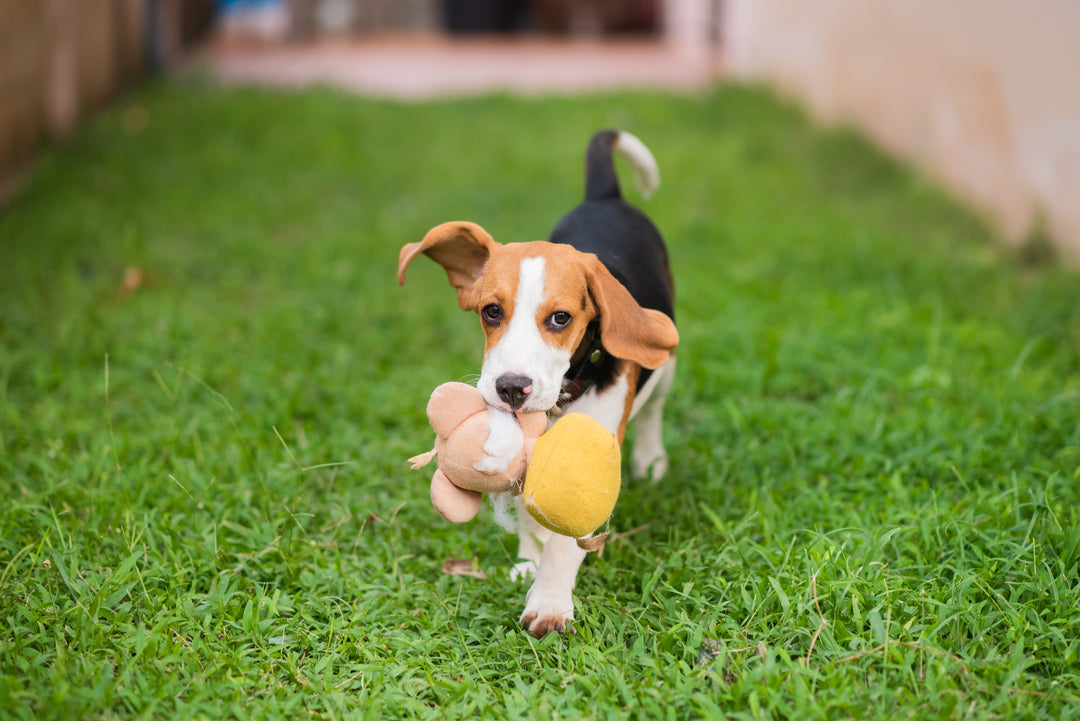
(573, 477)
(477, 450)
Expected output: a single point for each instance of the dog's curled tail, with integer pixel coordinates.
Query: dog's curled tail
(601, 182)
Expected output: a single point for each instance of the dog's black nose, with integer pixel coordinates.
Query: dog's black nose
(513, 389)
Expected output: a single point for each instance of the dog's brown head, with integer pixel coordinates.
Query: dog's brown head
(536, 301)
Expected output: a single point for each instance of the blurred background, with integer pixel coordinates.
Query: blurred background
(981, 94)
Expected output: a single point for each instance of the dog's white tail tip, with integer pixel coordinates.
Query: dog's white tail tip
(642, 163)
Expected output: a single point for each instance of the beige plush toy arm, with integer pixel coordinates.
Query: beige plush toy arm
(533, 425)
(418, 462)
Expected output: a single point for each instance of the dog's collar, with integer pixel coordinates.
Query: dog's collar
(584, 373)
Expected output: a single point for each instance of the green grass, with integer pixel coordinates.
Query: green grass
(872, 510)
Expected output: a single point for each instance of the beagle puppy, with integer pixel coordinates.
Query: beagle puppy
(583, 322)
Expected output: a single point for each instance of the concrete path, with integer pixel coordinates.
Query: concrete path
(429, 67)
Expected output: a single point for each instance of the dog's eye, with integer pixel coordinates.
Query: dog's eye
(492, 313)
(560, 319)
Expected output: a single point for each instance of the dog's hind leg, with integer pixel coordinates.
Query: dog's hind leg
(649, 457)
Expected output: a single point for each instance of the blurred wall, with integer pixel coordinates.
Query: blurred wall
(982, 94)
(60, 59)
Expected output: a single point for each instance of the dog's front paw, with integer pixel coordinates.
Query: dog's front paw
(540, 626)
(546, 612)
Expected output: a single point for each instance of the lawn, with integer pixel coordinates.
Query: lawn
(210, 382)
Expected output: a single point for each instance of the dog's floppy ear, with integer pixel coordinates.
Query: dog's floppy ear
(461, 248)
(627, 330)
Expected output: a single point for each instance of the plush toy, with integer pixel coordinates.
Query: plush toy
(571, 473)
(573, 477)
(478, 450)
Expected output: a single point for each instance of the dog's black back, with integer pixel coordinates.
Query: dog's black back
(619, 234)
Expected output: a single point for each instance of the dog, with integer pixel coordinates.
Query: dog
(582, 322)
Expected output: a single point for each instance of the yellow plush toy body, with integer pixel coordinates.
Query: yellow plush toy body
(573, 477)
